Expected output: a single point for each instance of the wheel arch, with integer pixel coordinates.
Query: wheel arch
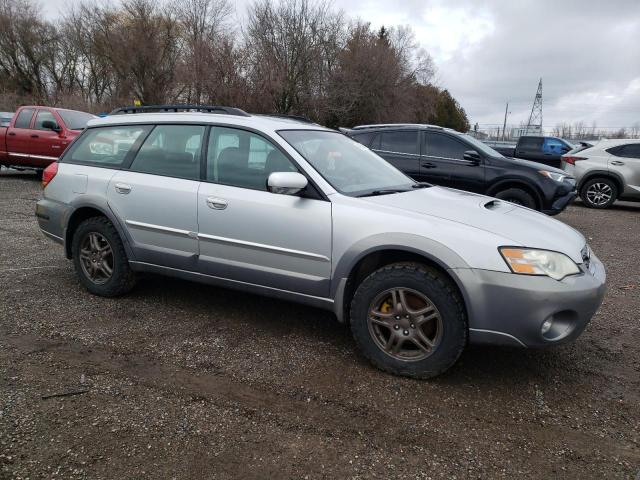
(605, 174)
(84, 211)
(350, 271)
(522, 184)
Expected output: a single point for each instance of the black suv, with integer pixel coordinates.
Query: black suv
(445, 157)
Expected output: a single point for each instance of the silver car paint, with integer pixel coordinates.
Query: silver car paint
(597, 160)
(303, 249)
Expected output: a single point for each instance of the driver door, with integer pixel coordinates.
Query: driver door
(253, 236)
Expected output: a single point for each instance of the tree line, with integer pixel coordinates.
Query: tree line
(299, 57)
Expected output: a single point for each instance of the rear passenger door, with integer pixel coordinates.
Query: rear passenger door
(156, 197)
(444, 163)
(250, 235)
(19, 137)
(625, 161)
(401, 149)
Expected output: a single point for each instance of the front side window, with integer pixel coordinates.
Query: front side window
(44, 116)
(444, 146)
(243, 159)
(348, 166)
(105, 146)
(171, 151)
(75, 120)
(24, 118)
(400, 142)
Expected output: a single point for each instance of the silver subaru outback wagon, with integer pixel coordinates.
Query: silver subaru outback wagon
(289, 209)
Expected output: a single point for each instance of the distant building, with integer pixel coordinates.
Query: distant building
(518, 132)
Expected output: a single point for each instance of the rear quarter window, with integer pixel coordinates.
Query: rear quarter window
(364, 138)
(106, 146)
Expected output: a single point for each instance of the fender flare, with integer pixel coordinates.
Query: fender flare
(431, 250)
(99, 204)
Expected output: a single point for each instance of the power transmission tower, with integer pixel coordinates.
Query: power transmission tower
(535, 119)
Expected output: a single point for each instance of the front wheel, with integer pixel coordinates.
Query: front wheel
(408, 319)
(100, 259)
(517, 196)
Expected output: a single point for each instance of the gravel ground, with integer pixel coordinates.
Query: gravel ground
(182, 380)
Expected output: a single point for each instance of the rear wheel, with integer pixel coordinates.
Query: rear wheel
(100, 259)
(517, 196)
(408, 319)
(599, 193)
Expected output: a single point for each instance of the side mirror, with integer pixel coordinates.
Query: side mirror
(49, 125)
(472, 156)
(286, 183)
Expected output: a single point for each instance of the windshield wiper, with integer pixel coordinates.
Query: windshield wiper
(387, 191)
(421, 185)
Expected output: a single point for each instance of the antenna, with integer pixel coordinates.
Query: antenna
(535, 119)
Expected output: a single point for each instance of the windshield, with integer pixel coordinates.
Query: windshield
(481, 147)
(350, 168)
(75, 120)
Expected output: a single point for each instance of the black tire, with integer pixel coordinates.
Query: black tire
(122, 278)
(588, 192)
(517, 196)
(438, 288)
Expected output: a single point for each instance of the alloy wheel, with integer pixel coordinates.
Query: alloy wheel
(96, 258)
(599, 194)
(405, 324)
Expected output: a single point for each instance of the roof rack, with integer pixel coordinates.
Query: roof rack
(396, 125)
(299, 118)
(182, 108)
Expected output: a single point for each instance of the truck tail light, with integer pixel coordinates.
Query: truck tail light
(49, 173)
(572, 160)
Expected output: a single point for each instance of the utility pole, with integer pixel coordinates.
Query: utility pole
(504, 127)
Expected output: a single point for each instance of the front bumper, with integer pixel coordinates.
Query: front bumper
(560, 203)
(509, 309)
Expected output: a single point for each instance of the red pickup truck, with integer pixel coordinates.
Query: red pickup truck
(37, 136)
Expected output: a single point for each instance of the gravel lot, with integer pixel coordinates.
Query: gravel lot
(187, 381)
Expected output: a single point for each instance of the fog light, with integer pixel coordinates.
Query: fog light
(546, 326)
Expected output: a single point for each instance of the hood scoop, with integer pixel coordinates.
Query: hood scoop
(496, 205)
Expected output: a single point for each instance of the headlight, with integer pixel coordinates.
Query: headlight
(527, 261)
(558, 177)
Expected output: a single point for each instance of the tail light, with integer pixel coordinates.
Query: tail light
(49, 173)
(572, 160)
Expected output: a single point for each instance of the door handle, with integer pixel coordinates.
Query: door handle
(428, 165)
(122, 188)
(617, 162)
(216, 203)
(35, 136)
(12, 134)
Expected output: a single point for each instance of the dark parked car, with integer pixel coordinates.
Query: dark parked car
(445, 157)
(547, 150)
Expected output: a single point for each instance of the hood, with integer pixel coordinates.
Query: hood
(535, 165)
(519, 226)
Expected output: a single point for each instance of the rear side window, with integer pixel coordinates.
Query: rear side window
(400, 142)
(106, 146)
(43, 116)
(171, 151)
(631, 150)
(530, 143)
(444, 146)
(24, 118)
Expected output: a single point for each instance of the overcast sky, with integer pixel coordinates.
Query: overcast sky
(488, 52)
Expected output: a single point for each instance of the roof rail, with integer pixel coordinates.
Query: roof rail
(299, 118)
(180, 107)
(396, 125)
